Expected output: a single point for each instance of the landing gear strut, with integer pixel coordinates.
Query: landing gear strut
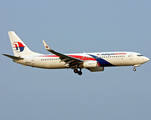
(78, 71)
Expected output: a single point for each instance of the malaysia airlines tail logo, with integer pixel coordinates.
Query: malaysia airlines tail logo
(19, 46)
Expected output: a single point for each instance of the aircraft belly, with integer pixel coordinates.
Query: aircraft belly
(114, 62)
(56, 64)
(121, 62)
(49, 64)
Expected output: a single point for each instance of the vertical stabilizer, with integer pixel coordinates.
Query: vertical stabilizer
(18, 46)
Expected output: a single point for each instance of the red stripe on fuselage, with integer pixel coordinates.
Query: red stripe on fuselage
(74, 56)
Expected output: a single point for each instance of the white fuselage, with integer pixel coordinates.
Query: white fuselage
(91, 61)
(104, 59)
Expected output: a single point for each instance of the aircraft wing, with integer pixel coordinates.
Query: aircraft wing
(70, 61)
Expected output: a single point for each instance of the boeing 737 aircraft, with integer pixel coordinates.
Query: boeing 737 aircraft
(91, 61)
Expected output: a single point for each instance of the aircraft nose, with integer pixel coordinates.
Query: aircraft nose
(146, 59)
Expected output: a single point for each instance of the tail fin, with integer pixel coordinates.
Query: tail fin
(18, 46)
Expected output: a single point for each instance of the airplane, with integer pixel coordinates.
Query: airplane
(92, 61)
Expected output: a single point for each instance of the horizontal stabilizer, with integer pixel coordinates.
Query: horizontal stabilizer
(13, 57)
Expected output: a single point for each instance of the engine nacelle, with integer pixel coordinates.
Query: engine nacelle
(96, 69)
(90, 64)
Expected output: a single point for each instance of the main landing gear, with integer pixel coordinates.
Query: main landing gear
(134, 69)
(78, 71)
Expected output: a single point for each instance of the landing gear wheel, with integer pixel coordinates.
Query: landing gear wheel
(134, 69)
(79, 73)
(75, 71)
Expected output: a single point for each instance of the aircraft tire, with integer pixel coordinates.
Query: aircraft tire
(79, 73)
(75, 71)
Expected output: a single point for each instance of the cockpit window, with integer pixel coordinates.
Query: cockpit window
(139, 55)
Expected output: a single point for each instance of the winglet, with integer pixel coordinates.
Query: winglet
(46, 46)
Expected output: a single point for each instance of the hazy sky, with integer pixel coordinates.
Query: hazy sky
(70, 26)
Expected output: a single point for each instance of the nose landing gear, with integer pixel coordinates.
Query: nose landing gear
(78, 71)
(134, 69)
(136, 66)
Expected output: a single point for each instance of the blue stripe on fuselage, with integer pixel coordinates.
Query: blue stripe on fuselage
(101, 61)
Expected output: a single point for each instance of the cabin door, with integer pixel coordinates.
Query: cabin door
(131, 56)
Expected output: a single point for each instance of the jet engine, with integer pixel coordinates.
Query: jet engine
(90, 64)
